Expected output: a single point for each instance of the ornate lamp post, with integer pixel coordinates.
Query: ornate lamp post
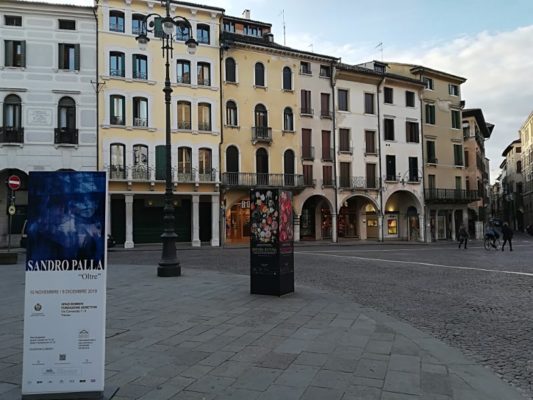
(169, 264)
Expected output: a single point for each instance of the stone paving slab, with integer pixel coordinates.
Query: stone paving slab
(203, 336)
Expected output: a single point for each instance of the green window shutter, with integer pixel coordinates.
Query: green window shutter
(23, 50)
(77, 57)
(160, 162)
(158, 28)
(61, 61)
(8, 53)
(134, 64)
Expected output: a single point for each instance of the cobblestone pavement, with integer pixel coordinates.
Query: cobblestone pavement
(470, 299)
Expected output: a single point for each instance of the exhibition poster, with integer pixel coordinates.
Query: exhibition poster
(65, 293)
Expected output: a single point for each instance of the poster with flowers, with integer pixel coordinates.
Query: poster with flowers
(264, 217)
(286, 233)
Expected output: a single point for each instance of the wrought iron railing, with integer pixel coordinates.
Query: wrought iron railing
(207, 176)
(9, 134)
(306, 111)
(184, 125)
(308, 153)
(327, 154)
(65, 136)
(140, 122)
(358, 183)
(451, 195)
(261, 134)
(250, 179)
(140, 172)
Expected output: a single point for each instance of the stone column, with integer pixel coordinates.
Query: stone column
(128, 244)
(296, 222)
(380, 227)
(196, 221)
(215, 220)
(422, 227)
(108, 219)
(453, 225)
(334, 237)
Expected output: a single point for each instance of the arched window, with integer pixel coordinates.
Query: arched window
(231, 72)
(232, 165)
(184, 115)
(204, 165)
(261, 166)
(287, 78)
(202, 33)
(261, 130)
(140, 162)
(204, 117)
(231, 113)
(288, 120)
(12, 121)
(116, 21)
(140, 112)
(117, 161)
(288, 167)
(259, 74)
(66, 114)
(117, 64)
(183, 71)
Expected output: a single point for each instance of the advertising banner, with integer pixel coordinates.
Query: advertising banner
(64, 308)
(271, 242)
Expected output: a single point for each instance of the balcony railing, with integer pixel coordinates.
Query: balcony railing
(309, 182)
(451, 195)
(326, 114)
(328, 182)
(186, 80)
(306, 111)
(184, 125)
(140, 172)
(345, 150)
(117, 172)
(9, 134)
(204, 82)
(65, 136)
(204, 126)
(308, 153)
(261, 134)
(358, 183)
(140, 122)
(250, 179)
(207, 176)
(140, 75)
(184, 175)
(327, 154)
(117, 72)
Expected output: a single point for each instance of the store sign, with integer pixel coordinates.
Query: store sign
(245, 203)
(64, 310)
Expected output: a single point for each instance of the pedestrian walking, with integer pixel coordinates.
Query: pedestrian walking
(507, 236)
(463, 236)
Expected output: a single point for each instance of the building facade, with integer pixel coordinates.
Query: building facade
(47, 95)
(512, 186)
(132, 122)
(526, 138)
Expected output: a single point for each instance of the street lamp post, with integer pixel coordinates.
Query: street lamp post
(169, 264)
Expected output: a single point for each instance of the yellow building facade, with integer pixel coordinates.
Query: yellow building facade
(132, 122)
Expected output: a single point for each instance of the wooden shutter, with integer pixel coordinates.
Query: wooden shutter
(326, 145)
(371, 176)
(160, 162)
(23, 55)
(77, 57)
(61, 60)
(8, 53)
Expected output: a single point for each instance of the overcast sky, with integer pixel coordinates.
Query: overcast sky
(489, 42)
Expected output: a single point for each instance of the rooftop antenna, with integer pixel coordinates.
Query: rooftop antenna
(380, 45)
(284, 37)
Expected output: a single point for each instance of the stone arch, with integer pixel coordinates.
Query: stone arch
(315, 217)
(358, 217)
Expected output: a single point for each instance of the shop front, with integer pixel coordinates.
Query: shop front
(238, 222)
(315, 219)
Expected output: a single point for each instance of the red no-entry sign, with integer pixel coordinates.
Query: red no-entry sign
(13, 182)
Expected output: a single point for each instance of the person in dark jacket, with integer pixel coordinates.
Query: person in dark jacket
(463, 236)
(507, 236)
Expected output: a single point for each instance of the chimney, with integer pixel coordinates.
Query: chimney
(246, 14)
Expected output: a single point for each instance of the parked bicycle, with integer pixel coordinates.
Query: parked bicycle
(491, 242)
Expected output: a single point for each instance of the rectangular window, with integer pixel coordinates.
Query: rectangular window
(411, 132)
(307, 149)
(69, 56)
(430, 152)
(389, 128)
(345, 175)
(327, 174)
(369, 103)
(324, 106)
(183, 71)
(458, 154)
(308, 175)
(204, 117)
(456, 119)
(458, 183)
(306, 102)
(519, 167)
(184, 115)
(342, 95)
(431, 182)
(326, 146)
(453, 90)
(391, 168)
(428, 82)
(466, 158)
(140, 67)
(118, 110)
(430, 114)
(370, 142)
(140, 112)
(413, 169)
(371, 181)
(116, 64)
(325, 71)
(15, 53)
(344, 140)
(204, 74)
(409, 99)
(202, 34)
(67, 24)
(305, 68)
(12, 20)
(388, 95)
(229, 26)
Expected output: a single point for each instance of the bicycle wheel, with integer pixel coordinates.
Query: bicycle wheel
(486, 244)
(498, 244)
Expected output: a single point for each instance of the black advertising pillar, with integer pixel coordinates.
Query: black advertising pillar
(271, 242)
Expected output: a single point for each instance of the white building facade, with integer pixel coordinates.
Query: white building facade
(47, 95)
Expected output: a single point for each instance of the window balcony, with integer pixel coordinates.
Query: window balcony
(326, 114)
(451, 196)
(65, 136)
(328, 183)
(186, 125)
(183, 175)
(345, 150)
(10, 134)
(140, 75)
(250, 179)
(309, 182)
(308, 153)
(327, 154)
(261, 134)
(116, 172)
(208, 175)
(185, 80)
(117, 72)
(115, 120)
(140, 122)
(204, 126)
(114, 27)
(306, 111)
(204, 82)
(358, 183)
(140, 172)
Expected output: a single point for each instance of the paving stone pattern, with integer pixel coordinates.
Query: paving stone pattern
(203, 336)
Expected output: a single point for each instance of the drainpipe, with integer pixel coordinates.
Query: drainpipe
(333, 119)
(422, 161)
(381, 211)
(96, 89)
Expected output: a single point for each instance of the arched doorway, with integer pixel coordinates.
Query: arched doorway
(358, 219)
(261, 166)
(238, 222)
(288, 168)
(232, 165)
(315, 219)
(401, 218)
